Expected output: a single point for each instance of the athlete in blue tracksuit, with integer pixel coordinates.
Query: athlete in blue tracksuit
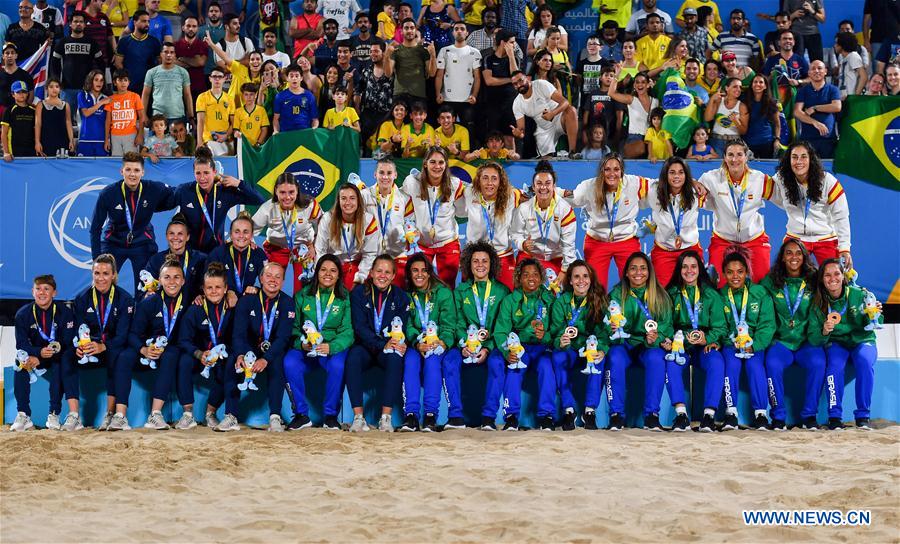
(107, 310)
(44, 329)
(526, 312)
(129, 206)
(205, 202)
(193, 262)
(156, 316)
(243, 264)
(262, 324)
(373, 308)
(791, 284)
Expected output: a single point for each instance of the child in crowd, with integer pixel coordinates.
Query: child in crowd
(596, 148)
(417, 136)
(53, 123)
(251, 119)
(183, 138)
(160, 143)
(341, 113)
(700, 150)
(493, 149)
(17, 134)
(386, 24)
(124, 113)
(295, 107)
(659, 141)
(215, 110)
(450, 135)
(92, 112)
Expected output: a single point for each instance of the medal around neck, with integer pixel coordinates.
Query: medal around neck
(834, 318)
(55, 346)
(651, 326)
(694, 336)
(571, 332)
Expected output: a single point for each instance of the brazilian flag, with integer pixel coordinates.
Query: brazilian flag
(320, 160)
(682, 115)
(869, 148)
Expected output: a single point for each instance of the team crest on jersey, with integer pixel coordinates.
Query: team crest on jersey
(145, 204)
(626, 202)
(252, 313)
(129, 310)
(205, 322)
(159, 314)
(754, 306)
(307, 308)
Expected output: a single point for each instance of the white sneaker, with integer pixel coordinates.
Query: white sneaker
(386, 425)
(22, 423)
(53, 421)
(72, 423)
(104, 426)
(186, 422)
(155, 421)
(118, 422)
(359, 424)
(228, 423)
(276, 424)
(562, 155)
(211, 420)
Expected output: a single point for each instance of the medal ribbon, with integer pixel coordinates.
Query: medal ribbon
(384, 213)
(544, 222)
(679, 221)
(739, 202)
(424, 313)
(611, 214)
(202, 200)
(131, 215)
(238, 272)
(794, 306)
(482, 309)
(743, 313)
(378, 309)
(170, 314)
(289, 236)
(487, 218)
(103, 309)
(644, 309)
(320, 317)
(846, 298)
(576, 311)
(433, 208)
(349, 244)
(693, 309)
(268, 317)
(214, 333)
(41, 327)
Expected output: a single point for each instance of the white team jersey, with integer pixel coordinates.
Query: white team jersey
(827, 218)
(483, 220)
(443, 223)
(666, 218)
(614, 220)
(552, 230)
(389, 214)
(339, 10)
(725, 197)
(270, 216)
(348, 249)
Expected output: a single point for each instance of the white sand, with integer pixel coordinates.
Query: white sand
(314, 485)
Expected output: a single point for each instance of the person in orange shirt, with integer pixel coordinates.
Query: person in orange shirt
(125, 114)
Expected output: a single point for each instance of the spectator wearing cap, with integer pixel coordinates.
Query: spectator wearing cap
(27, 34)
(10, 74)
(697, 37)
(707, 15)
(733, 69)
(745, 46)
(17, 128)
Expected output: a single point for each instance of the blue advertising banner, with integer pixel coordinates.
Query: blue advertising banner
(48, 205)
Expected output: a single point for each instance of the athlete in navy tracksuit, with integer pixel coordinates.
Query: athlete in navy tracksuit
(373, 308)
(155, 316)
(243, 264)
(203, 327)
(129, 206)
(206, 201)
(107, 310)
(193, 262)
(268, 340)
(44, 329)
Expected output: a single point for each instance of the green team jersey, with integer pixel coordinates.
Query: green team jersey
(467, 312)
(568, 311)
(790, 330)
(760, 315)
(440, 307)
(850, 332)
(710, 313)
(518, 310)
(637, 319)
(337, 331)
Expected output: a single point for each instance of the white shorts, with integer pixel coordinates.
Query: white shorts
(546, 136)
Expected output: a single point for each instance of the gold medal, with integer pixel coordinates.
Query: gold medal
(678, 242)
(432, 232)
(55, 346)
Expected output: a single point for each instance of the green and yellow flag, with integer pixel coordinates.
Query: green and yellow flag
(869, 148)
(320, 159)
(682, 115)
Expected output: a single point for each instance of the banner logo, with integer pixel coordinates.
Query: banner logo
(68, 222)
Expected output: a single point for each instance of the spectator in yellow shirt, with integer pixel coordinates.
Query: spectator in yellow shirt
(240, 74)
(493, 149)
(417, 136)
(251, 119)
(659, 141)
(215, 111)
(651, 49)
(389, 139)
(450, 135)
(385, 22)
(341, 113)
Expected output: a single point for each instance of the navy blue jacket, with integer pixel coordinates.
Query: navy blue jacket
(193, 276)
(249, 272)
(27, 336)
(202, 237)
(154, 197)
(362, 312)
(248, 326)
(148, 320)
(194, 325)
(115, 336)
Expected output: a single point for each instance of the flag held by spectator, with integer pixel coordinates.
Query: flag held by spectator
(320, 160)
(37, 67)
(682, 115)
(869, 148)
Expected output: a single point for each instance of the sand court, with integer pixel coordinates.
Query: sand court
(315, 485)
